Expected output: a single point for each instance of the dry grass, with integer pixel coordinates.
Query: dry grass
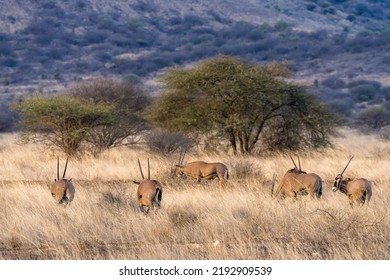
(240, 222)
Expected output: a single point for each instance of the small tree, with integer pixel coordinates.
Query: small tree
(61, 121)
(127, 123)
(239, 101)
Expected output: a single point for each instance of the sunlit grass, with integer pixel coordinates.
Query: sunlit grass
(241, 221)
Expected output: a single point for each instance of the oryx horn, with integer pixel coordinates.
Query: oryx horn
(148, 170)
(58, 168)
(178, 163)
(293, 162)
(299, 163)
(346, 166)
(140, 168)
(182, 159)
(66, 165)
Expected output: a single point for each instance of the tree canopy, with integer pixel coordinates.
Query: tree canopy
(62, 121)
(128, 101)
(243, 103)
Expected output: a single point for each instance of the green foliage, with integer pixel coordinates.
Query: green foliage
(127, 100)
(61, 121)
(239, 100)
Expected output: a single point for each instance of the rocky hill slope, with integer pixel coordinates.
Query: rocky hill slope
(334, 45)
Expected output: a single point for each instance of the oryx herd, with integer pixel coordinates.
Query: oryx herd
(297, 182)
(294, 183)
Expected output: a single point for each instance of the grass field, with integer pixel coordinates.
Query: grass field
(241, 221)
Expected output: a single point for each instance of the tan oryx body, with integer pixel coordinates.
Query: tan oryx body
(203, 170)
(149, 192)
(62, 190)
(358, 190)
(298, 183)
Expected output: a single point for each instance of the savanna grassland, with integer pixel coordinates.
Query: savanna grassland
(241, 221)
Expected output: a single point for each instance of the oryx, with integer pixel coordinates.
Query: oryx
(203, 170)
(358, 190)
(62, 189)
(297, 182)
(149, 192)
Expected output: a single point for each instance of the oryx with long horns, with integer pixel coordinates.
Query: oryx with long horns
(149, 192)
(203, 170)
(62, 189)
(358, 190)
(297, 182)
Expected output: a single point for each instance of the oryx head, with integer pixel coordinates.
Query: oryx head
(179, 165)
(338, 180)
(62, 190)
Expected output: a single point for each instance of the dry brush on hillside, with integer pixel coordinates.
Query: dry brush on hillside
(241, 221)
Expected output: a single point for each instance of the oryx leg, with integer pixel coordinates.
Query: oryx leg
(198, 179)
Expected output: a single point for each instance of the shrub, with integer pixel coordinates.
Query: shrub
(167, 142)
(342, 106)
(385, 91)
(365, 92)
(310, 7)
(375, 117)
(384, 132)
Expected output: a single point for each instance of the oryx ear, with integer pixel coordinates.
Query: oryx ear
(136, 182)
(179, 165)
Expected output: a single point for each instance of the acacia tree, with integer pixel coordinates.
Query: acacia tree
(127, 123)
(61, 121)
(241, 101)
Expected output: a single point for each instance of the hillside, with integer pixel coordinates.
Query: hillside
(47, 45)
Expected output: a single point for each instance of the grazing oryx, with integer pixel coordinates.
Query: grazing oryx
(201, 169)
(358, 190)
(62, 189)
(149, 193)
(297, 182)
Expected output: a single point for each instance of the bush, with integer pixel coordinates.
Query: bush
(365, 92)
(385, 91)
(384, 132)
(167, 142)
(342, 106)
(375, 117)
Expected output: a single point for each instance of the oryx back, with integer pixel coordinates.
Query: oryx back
(294, 185)
(149, 194)
(359, 191)
(63, 191)
(203, 170)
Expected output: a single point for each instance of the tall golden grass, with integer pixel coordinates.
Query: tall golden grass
(241, 221)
